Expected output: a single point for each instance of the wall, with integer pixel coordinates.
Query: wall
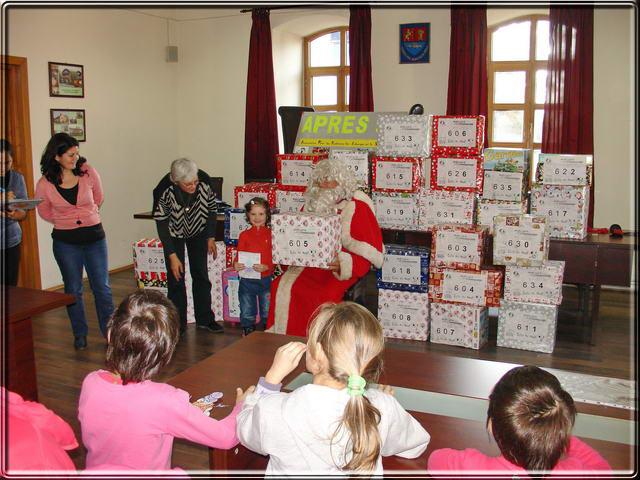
(129, 103)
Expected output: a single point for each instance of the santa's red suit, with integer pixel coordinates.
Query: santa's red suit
(301, 290)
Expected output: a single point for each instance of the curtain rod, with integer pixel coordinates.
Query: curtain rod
(272, 8)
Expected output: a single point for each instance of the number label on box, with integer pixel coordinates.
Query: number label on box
(457, 132)
(519, 242)
(564, 171)
(290, 203)
(502, 186)
(233, 286)
(296, 172)
(450, 332)
(302, 242)
(457, 172)
(401, 316)
(244, 197)
(454, 246)
(401, 269)
(404, 138)
(394, 175)
(463, 287)
(562, 213)
(399, 211)
(527, 326)
(237, 224)
(155, 260)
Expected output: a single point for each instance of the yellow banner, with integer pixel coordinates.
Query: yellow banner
(339, 142)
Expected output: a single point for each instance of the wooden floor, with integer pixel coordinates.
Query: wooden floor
(61, 369)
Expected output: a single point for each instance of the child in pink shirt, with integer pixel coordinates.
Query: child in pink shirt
(129, 420)
(530, 417)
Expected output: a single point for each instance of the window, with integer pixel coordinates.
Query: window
(326, 70)
(518, 53)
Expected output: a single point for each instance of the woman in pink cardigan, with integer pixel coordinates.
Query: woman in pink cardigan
(72, 194)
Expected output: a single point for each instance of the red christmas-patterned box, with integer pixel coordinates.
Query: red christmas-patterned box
(294, 169)
(396, 174)
(481, 288)
(243, 193)
(459, 174)
(462, 247)
(230, 254)
(457, 135)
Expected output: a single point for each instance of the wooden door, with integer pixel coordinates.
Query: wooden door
(16, 127)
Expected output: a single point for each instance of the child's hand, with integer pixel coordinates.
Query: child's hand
(240, 395)
(238, 267)
(285, 361)
(260, 267)
(386, 389)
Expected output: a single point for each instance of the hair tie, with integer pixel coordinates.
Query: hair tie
(355, 385)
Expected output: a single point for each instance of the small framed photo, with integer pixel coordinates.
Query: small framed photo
(415, 42)
(73, 122)
(66, 80)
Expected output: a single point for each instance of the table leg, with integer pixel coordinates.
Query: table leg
(595, 312)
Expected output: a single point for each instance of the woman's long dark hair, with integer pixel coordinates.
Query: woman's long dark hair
(58, 145)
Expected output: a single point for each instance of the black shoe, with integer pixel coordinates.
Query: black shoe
(183, 330)
(261, 327)
(80, 343)
(247, 330)
(213, 327)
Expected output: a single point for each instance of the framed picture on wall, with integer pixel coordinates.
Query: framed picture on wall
(73, 122)
(66, 80)
(415, 42)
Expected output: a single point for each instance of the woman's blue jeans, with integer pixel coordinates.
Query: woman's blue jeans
(72, 259)
(249, 290)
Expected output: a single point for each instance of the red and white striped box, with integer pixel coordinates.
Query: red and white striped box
(289, 201)
(461, 174)
(535, 284)
(404, 314)
(441, 206)
(243, 193)
(305, 239)
(461, 247)
(481, 288)
(396, 174)
(294, 169)
(230, 254)
(457, 135)
(460, 325)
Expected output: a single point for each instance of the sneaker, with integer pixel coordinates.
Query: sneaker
(213, 327)
(80, 343)
(247, 330)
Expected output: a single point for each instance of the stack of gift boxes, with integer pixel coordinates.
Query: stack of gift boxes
(527, 319)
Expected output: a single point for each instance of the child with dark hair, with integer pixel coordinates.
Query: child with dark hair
(530, 417)
(127, 419)
(255, 292)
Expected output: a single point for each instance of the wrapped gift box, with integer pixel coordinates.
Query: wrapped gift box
(564, 169)
(294, 170)
(566, 208)
(462, 247)
(505, 186)
(356, 160)
(456, 174)
(404, 134)
(148, 256)
(404, 314)
(487, 210)
(215, 267)
(396, 174)
(461, 325)
(235, 222)
(535, 284)
(507, 160)
(405, 267)
(242, 194)
(527, 326)
(440, 206)
(397, 211)
(520, 240)
(304, 239)
(230, 301)
(288, 201)
(481, 288)
(457, 135)
(230, 255)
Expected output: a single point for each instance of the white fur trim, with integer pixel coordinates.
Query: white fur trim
(283, 300)
(358, 247)
(346, 266)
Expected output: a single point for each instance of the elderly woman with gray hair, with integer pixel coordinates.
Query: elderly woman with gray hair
(185, 213)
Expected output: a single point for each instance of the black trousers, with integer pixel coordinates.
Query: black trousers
(11, 265)
(197, 248)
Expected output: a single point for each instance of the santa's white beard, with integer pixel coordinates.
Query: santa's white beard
(322, 201)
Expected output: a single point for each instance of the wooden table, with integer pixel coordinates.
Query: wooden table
(590, 263)
(242, 363)
(22, 304)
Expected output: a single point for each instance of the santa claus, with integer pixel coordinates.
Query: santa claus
(296, 294)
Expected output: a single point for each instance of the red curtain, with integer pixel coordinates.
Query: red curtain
(261, 130)
(568, 112)
(360, 83)
(467, 94)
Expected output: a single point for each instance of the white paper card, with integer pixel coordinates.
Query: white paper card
(440, 210)
(401, 316)
(521, 242)
(562, 213)
(296, 172)
(533, 282)
(302, 242)
(463, 287)
(404, 138)
(142, 258)
(290, 202)
(244, 197)
(394, 175)
(401, 269)
(355, 160)
(454, 246)
(237, 224)
(564, 170)
(249, 259)
(449, 331)
(457, 172)
(457, 132)
(233, 285)
(398, 211)
(526, 326)
(155, 259)
(502, 186)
